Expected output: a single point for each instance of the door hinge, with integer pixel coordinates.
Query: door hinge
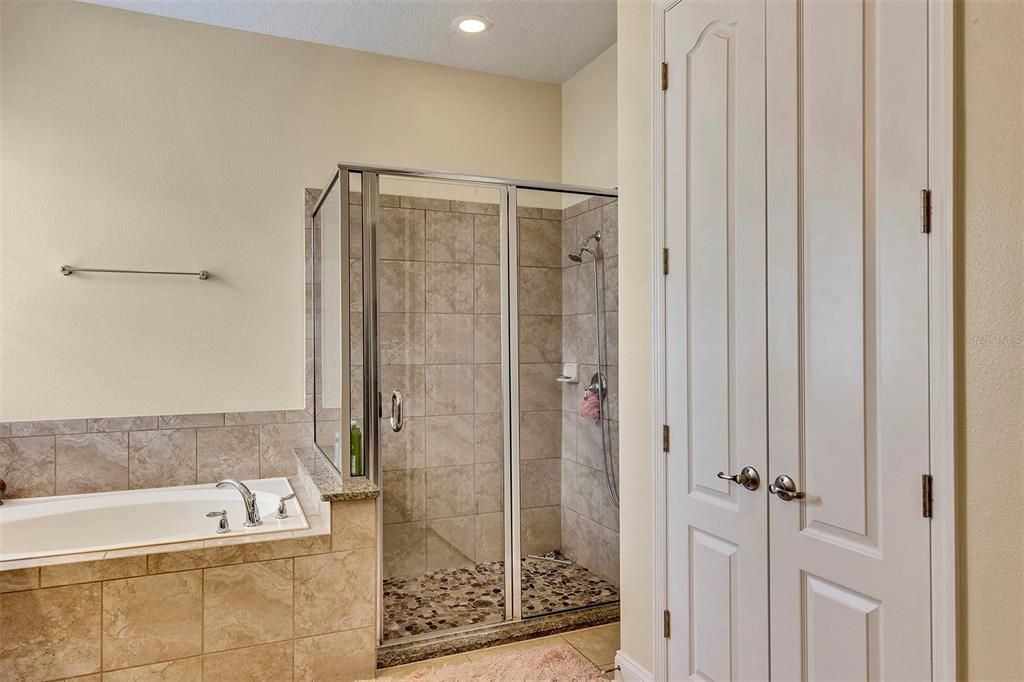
(667, 619)
(926, 496)
(926, 211)
(664, 75)
(664, 438)
(664, 261)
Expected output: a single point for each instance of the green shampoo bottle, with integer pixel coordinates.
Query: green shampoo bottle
(356, 451)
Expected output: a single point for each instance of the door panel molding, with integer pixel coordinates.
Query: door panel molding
(833, 608)
(713, 596)
(710, 238)
(833, 236)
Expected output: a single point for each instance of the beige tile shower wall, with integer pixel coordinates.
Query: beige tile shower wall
(440, 330)
(439, 321)
(590, 520)
(46, 458)
(298, 608)
(540, 334)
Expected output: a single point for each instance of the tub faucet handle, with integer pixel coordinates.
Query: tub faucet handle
(282, 509)
(222, 525)
(3, 489)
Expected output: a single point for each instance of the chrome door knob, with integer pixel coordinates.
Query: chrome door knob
(784, 488)
(747, 477)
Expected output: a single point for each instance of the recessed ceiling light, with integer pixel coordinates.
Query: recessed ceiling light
(473, 24)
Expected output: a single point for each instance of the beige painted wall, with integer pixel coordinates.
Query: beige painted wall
(589, 125)
(135, 141)
(635, 241)
(992, 128)
(992, 138)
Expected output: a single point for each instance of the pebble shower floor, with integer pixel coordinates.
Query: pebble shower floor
(456, 597)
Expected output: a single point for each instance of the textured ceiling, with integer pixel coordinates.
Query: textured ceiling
(545, 40)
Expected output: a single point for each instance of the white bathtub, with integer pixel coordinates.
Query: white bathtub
(72, 524)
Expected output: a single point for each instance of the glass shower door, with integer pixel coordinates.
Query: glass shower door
(442, 430)
(568, 400)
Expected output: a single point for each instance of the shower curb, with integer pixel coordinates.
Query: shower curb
(401, 653)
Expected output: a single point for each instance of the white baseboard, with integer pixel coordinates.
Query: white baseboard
(631, 671)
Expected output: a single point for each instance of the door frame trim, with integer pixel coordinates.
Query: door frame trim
(659, 467)
(943, 313)
(943, 320)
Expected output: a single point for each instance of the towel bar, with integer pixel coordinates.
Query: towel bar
(67, 270)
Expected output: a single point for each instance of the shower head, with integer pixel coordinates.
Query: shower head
(577, 255)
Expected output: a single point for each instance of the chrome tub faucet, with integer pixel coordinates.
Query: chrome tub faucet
(252, 512)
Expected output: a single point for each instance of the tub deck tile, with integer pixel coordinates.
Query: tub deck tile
(19, 579)
(35, 562)
(92, 571)
(202, 557)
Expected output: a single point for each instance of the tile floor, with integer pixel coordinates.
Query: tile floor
(454, 597)
(598, 645)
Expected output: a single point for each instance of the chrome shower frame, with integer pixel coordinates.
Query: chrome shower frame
(508, 189)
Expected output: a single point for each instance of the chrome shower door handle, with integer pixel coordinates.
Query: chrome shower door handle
(396, 411)
(784, 488)
(747, 477)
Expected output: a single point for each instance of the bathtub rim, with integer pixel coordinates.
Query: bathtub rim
(317, 516)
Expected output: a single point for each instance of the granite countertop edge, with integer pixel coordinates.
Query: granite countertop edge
(330, 484)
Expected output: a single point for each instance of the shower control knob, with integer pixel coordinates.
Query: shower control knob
(747, 477)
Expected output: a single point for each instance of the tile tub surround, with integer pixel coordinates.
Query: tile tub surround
(300, 607)
(44, 458)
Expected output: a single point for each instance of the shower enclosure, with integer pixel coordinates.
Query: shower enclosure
(465, 360)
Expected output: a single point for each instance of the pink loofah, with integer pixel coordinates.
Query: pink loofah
(590, 406)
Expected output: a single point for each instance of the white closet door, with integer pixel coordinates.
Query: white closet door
(848, 343)
(715, 346)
